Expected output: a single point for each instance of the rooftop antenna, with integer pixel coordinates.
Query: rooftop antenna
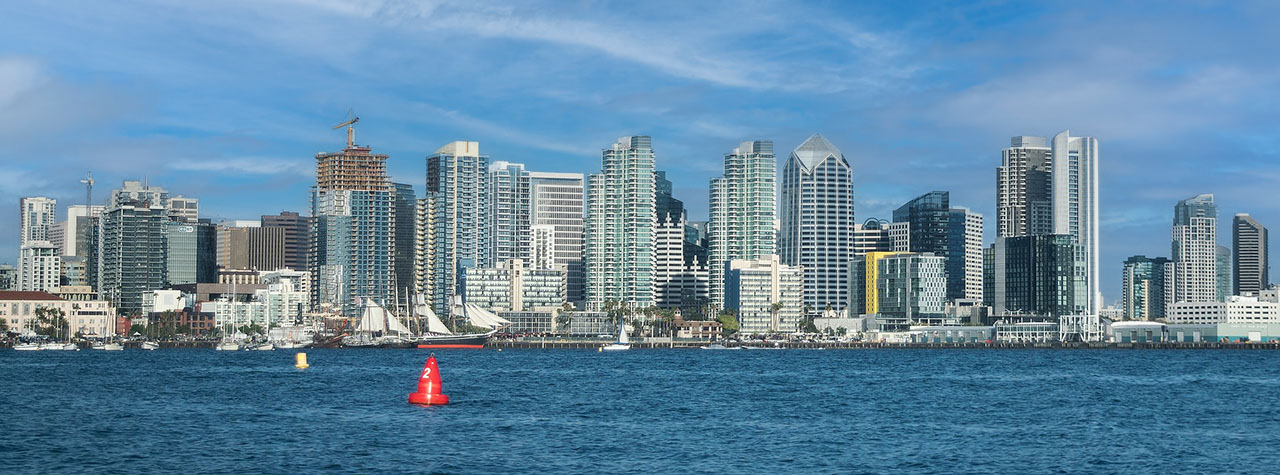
(88, 191)
(350, 124)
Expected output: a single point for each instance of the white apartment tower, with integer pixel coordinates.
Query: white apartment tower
(1075, 203)
(39, 215)
(1195, 250)
(743, 212)
(621, 217)
(557, 201)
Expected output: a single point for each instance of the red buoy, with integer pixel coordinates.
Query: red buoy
(429, 386)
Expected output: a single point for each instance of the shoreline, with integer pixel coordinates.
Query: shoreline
(594, 345)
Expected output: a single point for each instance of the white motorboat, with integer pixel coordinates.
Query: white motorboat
(26, 347)
(623, 342)
(260, 347)
(59, 347)
(149, 345)
(113, 347)
(227, 346)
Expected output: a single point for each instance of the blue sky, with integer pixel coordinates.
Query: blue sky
(229, 102)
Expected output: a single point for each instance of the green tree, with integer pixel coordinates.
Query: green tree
(51, 322)
(565, 319)
(137, 328)
(729, 322)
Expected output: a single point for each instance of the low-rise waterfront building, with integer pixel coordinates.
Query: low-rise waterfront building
(1235, 310)
(513, 287)
(951, 334)
(753, 287)
(1026, 332)
(87, 317)
(912, 288)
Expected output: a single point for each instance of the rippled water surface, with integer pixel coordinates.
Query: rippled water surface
(661, 411)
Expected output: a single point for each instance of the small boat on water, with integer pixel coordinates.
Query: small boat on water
(26, 347)
(59, 347)
(266, 346)
(149, 345)
(228, 346)
(717, 346)
(623, 342)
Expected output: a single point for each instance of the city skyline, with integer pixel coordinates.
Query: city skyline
(1164, 120)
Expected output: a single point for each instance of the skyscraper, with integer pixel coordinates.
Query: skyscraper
(1040, 275)
(183, 209)
(557, 201)
(38, 215)
(458, 189)
(297, 234)
(192, 255)
(1146, 287)
(1052, 188)
(953, 233)
(509, 210)
(1024, 200)
(1250, 241)
(743, 212)
(351, 236)
(1195, 250)
(816, 221)
(621, 217)
(404, 237)
(130, 256)
(1223, 257)
(1075, 203)
(79, 218)
(679, 275)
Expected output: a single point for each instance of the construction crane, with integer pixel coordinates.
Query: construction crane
(88, 192)
(350, 124)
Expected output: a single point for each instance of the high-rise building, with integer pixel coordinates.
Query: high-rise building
(1024, 200)
(1040, 275)
(621, 217)
(79, 218)
(557, 201)
(351, 234)
(1075, 203)
(1223, 256)
(1250, 241)
(266, 248)
(952, 233)
(8, 277)
(38, 215)
(877, 235)
(1195, 250)
(297, 236)
(509, 212)
(680, 270)
(742, 211)
(542, 247)
(405, 237)
(458, 187)
(130, 256)
(183, 209)
(39, 266)
(1146, 287)
(766, 294)
(424, 247)
(192, 255)
(816, 221)
(1051, 187)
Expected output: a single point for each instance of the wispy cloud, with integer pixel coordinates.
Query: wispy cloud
(253, 166)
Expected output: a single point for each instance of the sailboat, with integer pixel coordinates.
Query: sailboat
(378, 328)
(439, 336)
(623, 342)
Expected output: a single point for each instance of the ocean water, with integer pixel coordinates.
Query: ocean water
(658, 411)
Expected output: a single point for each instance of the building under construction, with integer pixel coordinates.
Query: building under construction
(352, 243)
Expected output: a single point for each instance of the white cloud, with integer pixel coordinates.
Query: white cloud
(252, 166)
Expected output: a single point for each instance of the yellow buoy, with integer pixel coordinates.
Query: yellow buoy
(301, 359)
(600, 350)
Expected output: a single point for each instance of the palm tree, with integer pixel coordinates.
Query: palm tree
(565, 319)
(773, 312)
